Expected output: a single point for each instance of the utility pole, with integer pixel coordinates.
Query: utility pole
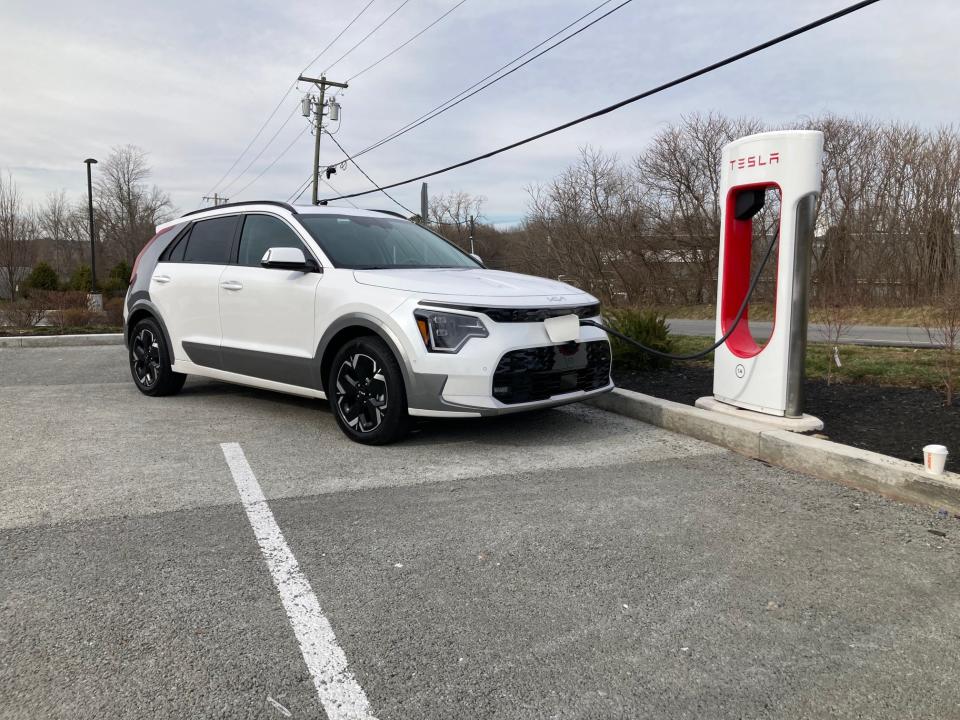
(424, 205)
(216, 199)
(90, 162)
(471, 235)
(322, 83)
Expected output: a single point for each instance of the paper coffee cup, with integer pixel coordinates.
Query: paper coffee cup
(934, 459)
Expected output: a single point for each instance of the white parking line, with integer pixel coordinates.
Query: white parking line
(341, 695)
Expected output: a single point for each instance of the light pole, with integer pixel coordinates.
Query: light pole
(93, 254)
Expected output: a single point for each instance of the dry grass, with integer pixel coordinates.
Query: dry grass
(899, 367)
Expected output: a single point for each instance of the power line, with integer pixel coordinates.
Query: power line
(262, 150)
(372, 181)
(330, 185)
(287, 93)
(303, 186)
(616, 106)
(429, 115)
(498, 79)
(274, 161)
(403, 45)
(339, 35)
(365, 37)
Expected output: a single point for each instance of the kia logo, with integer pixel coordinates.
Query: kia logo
(556, 298)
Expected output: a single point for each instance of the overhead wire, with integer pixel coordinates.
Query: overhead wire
(627, 101)
(372, 181)
(330, 185)
(404, 44)
(462, 95)
(365, 37)
(274, 161)
(297, 193)
(256, 157)
(286, 94)
(339, 35)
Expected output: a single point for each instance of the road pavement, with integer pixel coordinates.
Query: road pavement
(565, 564)
(883, 335)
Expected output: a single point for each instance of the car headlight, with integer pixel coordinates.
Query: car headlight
(447, 332)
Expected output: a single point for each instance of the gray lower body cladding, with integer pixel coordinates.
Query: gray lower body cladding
(421, 388)
(302, 372)
(424, 390)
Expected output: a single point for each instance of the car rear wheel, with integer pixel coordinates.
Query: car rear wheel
(366, 392)
(150, 361)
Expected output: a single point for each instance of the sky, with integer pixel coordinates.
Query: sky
(191, 83)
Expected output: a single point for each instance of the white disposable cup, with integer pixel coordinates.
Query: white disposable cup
(934, 459)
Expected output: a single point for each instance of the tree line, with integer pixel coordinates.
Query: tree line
(646, 229)
(55, 232)
(643, 230)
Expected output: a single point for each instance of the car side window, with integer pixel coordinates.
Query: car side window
(175, 254)
(210, 241)
(262, 232)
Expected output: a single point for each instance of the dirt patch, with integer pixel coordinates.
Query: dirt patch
(890, 420)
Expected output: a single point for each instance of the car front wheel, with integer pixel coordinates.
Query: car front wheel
(366, 392)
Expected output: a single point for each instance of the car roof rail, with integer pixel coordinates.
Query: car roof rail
(388, 212)
(285, 206)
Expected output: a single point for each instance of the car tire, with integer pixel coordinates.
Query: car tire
(366, 392)
(150, 361)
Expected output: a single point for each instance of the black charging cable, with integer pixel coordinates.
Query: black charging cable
(718, 343)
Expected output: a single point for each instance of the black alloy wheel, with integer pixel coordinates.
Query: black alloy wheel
(150, 361)
(366, 392)
(145, 356)
(362, 394)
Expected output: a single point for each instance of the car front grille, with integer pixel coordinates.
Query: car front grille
(522, 315)
(525, 315)
(540, 373)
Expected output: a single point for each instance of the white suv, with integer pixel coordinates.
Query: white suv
(383, 317)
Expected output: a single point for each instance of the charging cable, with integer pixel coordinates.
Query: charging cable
(718, 343)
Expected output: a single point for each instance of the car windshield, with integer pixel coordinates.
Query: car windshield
(374, 243)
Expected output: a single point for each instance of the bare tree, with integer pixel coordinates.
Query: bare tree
(128, 210)
(62, 228)
(16, 236)
(450, 214)
(834, 311)
(942, 323)
(886, 231)
(680, 177)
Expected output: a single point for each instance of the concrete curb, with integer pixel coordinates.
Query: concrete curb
(823, 459)
(33, 341)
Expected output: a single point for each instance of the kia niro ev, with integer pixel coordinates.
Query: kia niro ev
(382, 317)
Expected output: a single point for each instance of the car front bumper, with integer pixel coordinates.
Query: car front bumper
(462, 384)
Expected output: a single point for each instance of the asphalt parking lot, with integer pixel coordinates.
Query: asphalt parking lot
(565, 564)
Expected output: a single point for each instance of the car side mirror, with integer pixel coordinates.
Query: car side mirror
(288, 258)
(477, 258)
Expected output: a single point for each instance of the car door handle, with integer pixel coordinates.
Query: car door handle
(232, 285)
(161, 278)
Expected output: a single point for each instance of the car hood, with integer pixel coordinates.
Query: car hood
(492, 285)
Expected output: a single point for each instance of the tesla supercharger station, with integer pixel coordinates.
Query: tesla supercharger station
(766, 378)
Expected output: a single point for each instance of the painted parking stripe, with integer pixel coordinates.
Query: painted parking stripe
(340, 694)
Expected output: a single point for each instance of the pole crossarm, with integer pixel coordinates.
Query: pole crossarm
(322, 81)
